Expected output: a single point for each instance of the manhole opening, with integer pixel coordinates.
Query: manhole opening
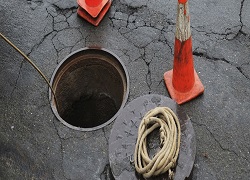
(91, 86)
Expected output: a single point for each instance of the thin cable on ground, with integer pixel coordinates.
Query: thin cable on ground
(170, 135)
(29, 60)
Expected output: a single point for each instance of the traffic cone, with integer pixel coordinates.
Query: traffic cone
(93, 10)
(182, 81)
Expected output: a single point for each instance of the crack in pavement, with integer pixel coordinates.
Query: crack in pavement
(148, 75)
(34, 3)
(127, 8)
(53, 15)
(216, 140)
(226, 34)
(61, 148)
(241, 23)
(240, 70)
(241, 8)
(170, 47)
(66, 13)
(107, 141)
(220, 36)
(58, 8)
(131, 21)
(19, 73)
(59, 49)
(131, 25)
(205, 55)
(161, 81)
(106, 174)
(36, 46)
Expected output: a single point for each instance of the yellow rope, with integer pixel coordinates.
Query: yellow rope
(170, 135)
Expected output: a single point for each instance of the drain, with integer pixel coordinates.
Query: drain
(91, 87)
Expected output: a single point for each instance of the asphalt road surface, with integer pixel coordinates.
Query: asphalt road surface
(35, 145)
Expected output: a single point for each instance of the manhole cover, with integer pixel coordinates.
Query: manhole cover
(91, 87)
(124, 133)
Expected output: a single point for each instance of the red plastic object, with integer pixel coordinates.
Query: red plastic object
(95, 21)
(93, 7)
(93, 3)
(182, 81)
(182, 1)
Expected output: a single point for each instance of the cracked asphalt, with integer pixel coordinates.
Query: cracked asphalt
(35, 145)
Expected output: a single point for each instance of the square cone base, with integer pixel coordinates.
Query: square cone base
(95, 21)
(181, 97)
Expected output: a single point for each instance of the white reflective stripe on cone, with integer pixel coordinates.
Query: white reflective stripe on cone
(183, 31)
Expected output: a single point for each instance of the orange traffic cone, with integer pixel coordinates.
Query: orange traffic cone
(182, 81)
(93, 10)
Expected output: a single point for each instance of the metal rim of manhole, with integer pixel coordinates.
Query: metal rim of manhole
(123, 137)
(91, 87)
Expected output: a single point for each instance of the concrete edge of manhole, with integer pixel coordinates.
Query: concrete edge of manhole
(125, 98)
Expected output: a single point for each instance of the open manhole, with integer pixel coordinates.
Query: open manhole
(91, 87)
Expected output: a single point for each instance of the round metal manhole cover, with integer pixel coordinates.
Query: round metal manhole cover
(91, 87)
(124, 134)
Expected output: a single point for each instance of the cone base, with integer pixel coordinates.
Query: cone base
(93, 11)
(95, 21)
(180, 97)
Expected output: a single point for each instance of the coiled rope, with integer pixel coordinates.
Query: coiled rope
(170, 135)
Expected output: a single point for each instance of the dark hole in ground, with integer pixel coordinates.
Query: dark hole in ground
(91, 86)
(90, 111)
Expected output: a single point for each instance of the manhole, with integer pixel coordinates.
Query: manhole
(91, 87)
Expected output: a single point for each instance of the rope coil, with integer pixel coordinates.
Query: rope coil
(170, 135)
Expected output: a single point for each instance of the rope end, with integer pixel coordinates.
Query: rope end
(170, 174)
